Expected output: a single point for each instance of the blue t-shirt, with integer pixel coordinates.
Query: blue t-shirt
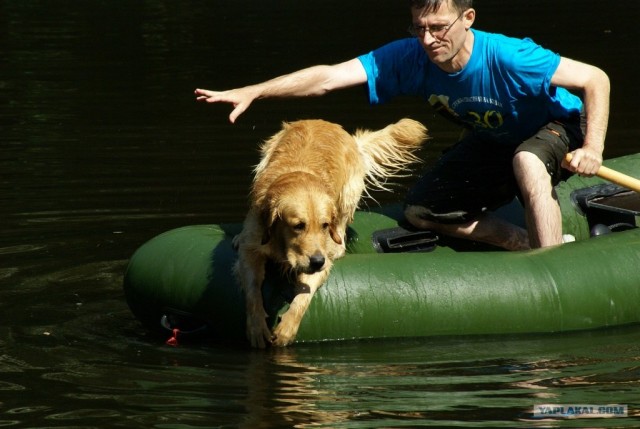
(503, 92)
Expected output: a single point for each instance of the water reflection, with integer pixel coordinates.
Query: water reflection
(457, 380)
(94, 369)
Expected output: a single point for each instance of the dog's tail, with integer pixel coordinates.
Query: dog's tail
(388, 152)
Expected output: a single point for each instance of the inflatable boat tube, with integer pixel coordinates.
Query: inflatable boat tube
(182, 279)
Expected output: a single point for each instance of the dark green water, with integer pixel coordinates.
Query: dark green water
(102, 147)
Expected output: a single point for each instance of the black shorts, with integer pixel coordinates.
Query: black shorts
(476, 175)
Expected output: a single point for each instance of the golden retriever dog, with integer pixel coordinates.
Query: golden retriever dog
(306, 188)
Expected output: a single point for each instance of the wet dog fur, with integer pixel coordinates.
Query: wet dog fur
(306, 188)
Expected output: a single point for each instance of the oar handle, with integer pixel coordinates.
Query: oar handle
(615, 176)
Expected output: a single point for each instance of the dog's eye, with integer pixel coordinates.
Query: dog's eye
(300, 226)
(325, 226)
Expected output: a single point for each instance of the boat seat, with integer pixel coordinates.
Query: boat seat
(608, 204)
(401, 239)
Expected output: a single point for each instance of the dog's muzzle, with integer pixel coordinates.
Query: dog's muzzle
(316, 262)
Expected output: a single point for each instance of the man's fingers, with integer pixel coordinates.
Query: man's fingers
(239, 110)
(204, 92)
(237, 98)
(583, 163)
(206, 95)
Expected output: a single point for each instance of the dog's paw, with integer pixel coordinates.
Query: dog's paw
(285, 333)
(259, 334)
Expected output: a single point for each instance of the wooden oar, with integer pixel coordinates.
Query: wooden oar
(615, 176)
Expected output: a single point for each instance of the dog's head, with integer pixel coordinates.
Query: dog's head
(299, 222)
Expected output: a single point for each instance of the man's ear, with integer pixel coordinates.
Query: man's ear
(469, 18)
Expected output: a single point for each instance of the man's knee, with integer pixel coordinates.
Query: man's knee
(532, 176)
(528, 164)
(549, 146)
(524, 160)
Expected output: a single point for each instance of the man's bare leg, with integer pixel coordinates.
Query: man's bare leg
(487, 228)
(542, 210)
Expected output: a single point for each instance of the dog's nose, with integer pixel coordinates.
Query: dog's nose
(316, 261)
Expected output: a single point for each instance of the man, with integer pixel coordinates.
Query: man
(510, 95)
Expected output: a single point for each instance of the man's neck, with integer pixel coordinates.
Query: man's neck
(462, 57)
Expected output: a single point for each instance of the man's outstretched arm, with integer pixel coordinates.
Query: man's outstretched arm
(312, 81)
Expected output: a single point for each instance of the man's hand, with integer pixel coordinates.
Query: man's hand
(240, 98)
(583, 161)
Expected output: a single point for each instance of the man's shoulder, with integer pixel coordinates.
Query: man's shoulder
(502, 43)
(506, 51)
(401, 53)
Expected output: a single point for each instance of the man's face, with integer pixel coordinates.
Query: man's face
(442, 34)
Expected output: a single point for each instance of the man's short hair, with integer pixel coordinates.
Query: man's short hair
(430, 6)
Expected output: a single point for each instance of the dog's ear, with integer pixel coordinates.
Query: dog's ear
(333, 232)
(268, 218)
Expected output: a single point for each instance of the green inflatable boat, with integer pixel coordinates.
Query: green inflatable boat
(394, 282)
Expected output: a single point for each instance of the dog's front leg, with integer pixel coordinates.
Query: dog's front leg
(307, 284)
(250, 270)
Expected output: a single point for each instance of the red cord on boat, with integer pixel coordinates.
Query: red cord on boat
(173, 341)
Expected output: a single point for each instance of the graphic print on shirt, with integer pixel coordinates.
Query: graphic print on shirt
(488, 119)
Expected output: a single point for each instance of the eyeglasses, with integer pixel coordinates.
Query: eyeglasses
(436, 31)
